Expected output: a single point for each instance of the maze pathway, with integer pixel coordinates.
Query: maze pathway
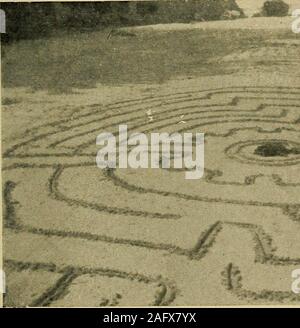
(88, 237)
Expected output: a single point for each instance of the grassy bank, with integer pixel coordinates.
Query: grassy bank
(81, 60)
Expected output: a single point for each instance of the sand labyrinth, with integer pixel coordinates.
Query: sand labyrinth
(80, 236)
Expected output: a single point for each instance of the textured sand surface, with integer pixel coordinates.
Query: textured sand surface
(79, 236)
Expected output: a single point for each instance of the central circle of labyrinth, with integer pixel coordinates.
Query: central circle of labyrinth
(276, 148)
(265, 152)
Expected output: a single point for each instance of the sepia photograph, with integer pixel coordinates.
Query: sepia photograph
(150, 154)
